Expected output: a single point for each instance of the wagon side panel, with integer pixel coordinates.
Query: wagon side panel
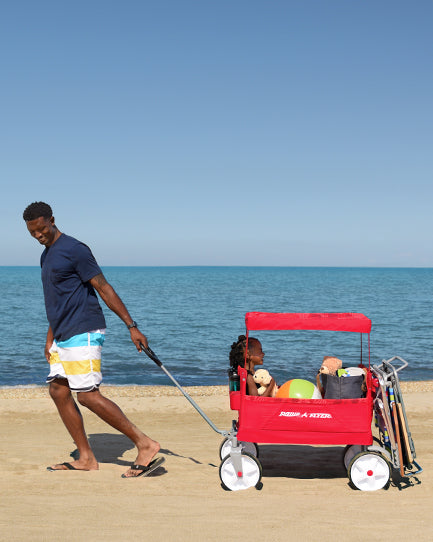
(305, 421)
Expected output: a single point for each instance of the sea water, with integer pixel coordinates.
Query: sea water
(192, 315)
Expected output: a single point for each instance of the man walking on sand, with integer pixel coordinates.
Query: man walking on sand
(70, 276)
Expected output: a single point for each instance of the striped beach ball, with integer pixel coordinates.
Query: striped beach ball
(298, 389)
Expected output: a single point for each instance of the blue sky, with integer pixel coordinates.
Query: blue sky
(220, 132)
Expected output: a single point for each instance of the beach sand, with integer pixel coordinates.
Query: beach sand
(305, 493)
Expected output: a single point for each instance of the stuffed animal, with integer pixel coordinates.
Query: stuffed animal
(262, 377)
(330, 366)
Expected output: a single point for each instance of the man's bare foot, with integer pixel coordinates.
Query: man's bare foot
(144, 457)
(75, 465)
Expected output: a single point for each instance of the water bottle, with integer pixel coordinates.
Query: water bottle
(234, 381)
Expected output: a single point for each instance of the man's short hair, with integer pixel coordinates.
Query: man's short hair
(36, 210)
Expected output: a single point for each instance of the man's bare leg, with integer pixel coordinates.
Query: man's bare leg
(108, 411)
(73, 421)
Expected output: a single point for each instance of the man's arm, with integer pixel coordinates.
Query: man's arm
(114, 303)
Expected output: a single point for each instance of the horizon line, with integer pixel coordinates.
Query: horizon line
(250, 266)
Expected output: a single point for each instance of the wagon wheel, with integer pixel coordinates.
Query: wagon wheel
(369, 471)
(349, 453)
(247, 447)
(249, 477)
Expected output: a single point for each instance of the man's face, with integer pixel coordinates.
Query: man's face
(43, 230)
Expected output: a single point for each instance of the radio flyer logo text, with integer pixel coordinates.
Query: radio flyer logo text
(321, 415)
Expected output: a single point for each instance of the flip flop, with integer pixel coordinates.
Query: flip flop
(153, 465)
(67, 465)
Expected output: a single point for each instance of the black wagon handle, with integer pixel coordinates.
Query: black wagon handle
(151, 354)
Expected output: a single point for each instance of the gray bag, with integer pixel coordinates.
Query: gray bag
(342, 387)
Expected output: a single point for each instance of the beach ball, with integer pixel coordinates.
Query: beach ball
(298, 389)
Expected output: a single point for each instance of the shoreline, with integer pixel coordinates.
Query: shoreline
(36, 392)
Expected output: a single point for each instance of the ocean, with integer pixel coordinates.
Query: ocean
(192, 315)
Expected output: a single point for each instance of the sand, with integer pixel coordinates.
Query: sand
(305, 493)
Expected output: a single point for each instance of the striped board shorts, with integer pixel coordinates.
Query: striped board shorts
(78, 359)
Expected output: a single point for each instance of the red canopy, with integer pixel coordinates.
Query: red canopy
(329, 321)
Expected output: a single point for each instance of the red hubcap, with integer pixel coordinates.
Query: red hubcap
(369, 473)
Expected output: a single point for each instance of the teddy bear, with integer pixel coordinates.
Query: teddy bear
(262, 377)
(330, 366)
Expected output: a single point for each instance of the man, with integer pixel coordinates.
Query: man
(70, 276)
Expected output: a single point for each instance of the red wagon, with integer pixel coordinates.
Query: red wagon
(302, 421)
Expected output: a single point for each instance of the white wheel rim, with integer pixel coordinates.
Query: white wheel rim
(369, 472)
(250, 473)
(248, 447)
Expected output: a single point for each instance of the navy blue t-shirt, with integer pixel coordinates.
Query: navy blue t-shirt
(70, 301)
